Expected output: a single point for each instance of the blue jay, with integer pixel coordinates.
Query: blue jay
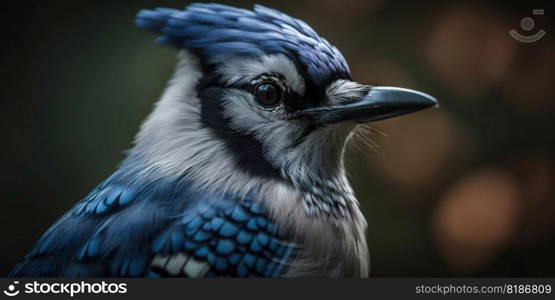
(238, 171)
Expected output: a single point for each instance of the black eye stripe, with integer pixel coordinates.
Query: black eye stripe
(244, 148)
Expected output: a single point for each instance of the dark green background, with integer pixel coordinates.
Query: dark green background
(467, 189)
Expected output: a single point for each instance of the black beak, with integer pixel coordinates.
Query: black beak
(379, 103)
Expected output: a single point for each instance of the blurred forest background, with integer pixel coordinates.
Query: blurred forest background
(464, 190)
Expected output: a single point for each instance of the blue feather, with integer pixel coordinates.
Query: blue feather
(219, 32)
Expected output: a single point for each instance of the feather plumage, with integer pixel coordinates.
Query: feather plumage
(118, 229)
(219, 32)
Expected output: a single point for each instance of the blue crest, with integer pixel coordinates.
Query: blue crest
(218, 32)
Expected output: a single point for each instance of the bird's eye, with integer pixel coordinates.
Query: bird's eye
(267, 94)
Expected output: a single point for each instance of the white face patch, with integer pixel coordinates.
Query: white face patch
(244, 70)
(299, 157)
(175, 141)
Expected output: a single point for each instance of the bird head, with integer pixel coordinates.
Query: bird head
(272, 94)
